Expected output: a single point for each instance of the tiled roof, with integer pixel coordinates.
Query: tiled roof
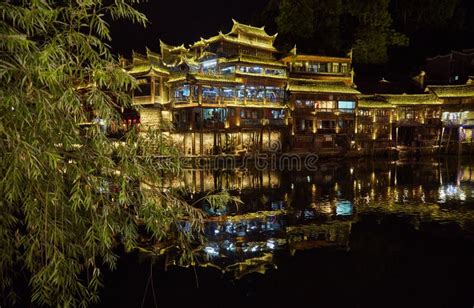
(147, 68)
(299, 85)
(252, 60)
(232, 39)
(316, 58)
(192, 77)
(411, 99)
(371, 101)
(257, 31)
(453, 90)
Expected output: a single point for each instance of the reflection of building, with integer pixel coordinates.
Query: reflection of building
(333, 234)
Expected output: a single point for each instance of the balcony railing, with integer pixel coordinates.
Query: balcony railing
(181, 125)
(206, 124)
(250, 122)
(326, 131)
(210, 124)
(277, 122)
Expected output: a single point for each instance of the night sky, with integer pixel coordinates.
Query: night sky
(176, 22)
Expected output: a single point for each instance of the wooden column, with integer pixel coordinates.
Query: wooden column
(152, 89)
(162, 93)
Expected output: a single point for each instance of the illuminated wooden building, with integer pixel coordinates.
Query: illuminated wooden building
(232, 93)
(402, 121)
(374, 124)
(418, 120)
(151, 94)
(457, 116)
(323, 100)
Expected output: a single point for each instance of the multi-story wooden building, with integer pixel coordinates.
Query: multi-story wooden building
(402, 122)
(231, 94)
(374, 128)
(228, 94)
(457, 116)
(323, 100)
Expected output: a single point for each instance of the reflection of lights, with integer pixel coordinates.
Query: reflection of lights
(271, 244)
(343, 208)
(213, 251)
(292, 186)
(325, 208)
(352, 171)
(308, 213)
(451, 192)
(228, 245)
(308, 178)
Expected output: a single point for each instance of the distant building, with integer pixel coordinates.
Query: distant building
(453, 68)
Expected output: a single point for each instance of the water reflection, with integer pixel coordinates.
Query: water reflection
(290, 211)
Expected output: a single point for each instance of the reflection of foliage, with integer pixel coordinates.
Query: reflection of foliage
(252, 265)
(217, 202)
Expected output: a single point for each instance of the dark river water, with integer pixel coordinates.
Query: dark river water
(362, 233)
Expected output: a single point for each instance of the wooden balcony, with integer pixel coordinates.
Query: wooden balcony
(326, 131)
(250, 123)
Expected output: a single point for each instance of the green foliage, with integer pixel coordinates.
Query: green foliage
(374, 32)
(71, 194)
(335, 26)
(416, 15)
(296, 18)
(310, 24)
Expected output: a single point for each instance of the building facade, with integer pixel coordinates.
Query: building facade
(234, 93)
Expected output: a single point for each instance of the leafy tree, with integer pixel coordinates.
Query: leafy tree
(374, 33)
(415, 15)
(71, 194)
(334, 27)
(312, 25)
(295, 21)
